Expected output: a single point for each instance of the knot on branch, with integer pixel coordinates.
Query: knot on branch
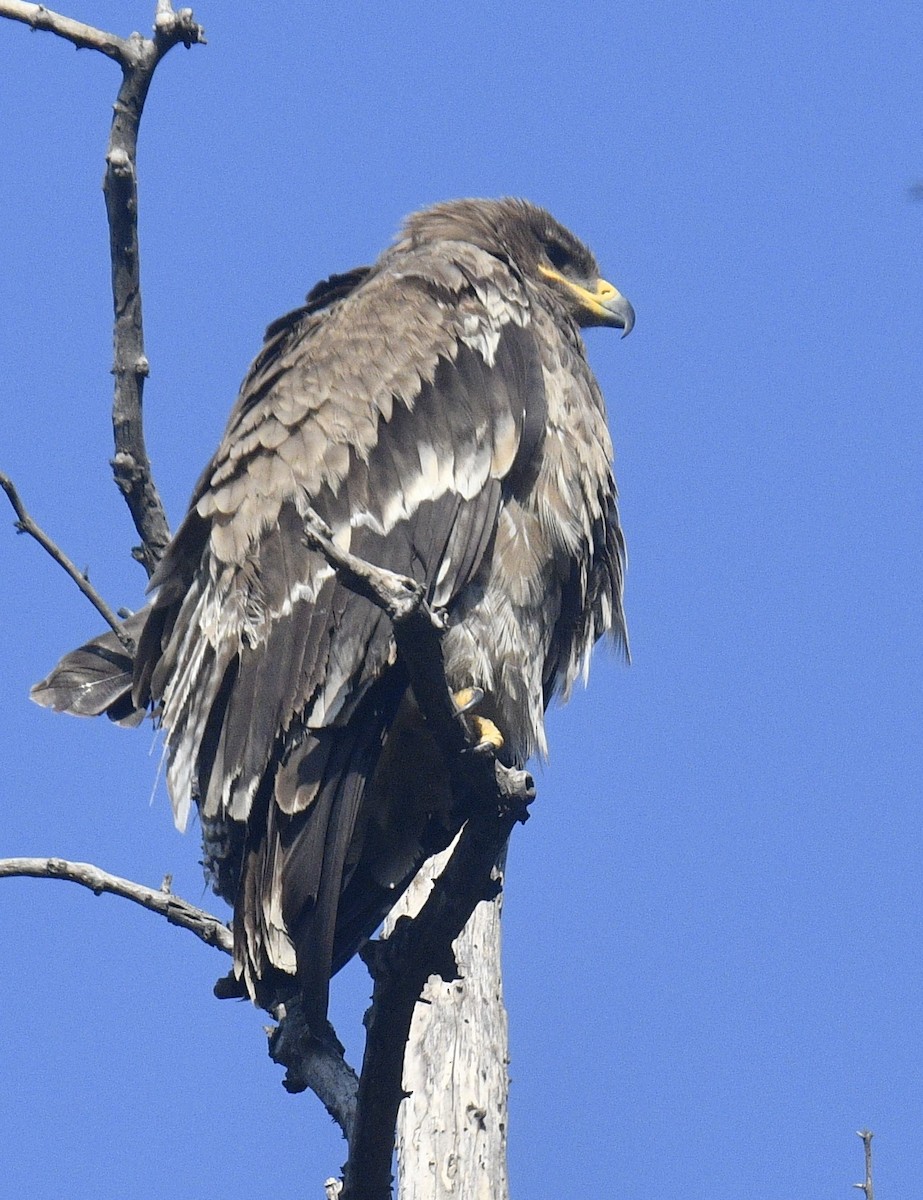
(490, 791)
(398, 595)
(517, 788)
(126, 470)
(120, 163)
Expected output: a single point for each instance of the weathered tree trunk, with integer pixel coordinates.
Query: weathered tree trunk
(452, 1128)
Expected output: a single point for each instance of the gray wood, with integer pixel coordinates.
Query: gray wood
(452, 1128)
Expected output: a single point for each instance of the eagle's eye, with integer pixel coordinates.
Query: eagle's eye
(559, 257)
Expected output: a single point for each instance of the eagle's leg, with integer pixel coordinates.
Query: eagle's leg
(489, 736)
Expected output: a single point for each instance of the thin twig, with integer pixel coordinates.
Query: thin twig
(25, 524)
(866, 1135)
(177, 911)
(315, 1064)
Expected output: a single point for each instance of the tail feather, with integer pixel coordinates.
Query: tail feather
(304, 836)
(95, 678)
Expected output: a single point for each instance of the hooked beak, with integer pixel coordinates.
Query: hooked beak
(604, 305)
(616, 310)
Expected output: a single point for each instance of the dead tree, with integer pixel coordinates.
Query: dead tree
(443, 944)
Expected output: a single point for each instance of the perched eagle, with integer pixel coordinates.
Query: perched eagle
(437, 411)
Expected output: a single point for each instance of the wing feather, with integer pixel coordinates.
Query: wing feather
(95, 678)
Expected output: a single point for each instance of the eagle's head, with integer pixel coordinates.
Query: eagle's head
(536, 246)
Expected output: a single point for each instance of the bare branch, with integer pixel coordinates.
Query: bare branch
(312, 1062)
(398, 595)
(866, 1135)
(170, 28)
(159, 900)
(25, 524)
(489, 799)
(130, 465)
(85, 37)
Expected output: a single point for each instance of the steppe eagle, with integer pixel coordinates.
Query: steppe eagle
(437, 411)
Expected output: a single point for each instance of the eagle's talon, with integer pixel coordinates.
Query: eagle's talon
(468, 698)
(490, 739)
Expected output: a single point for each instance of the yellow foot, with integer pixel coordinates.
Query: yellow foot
(488, 735)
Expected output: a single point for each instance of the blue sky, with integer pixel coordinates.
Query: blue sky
(714, 920)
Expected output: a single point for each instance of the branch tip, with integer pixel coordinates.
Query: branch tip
(204, 925)
(25, 524)
(866, 1186)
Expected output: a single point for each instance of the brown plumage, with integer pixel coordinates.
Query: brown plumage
(437, 411)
